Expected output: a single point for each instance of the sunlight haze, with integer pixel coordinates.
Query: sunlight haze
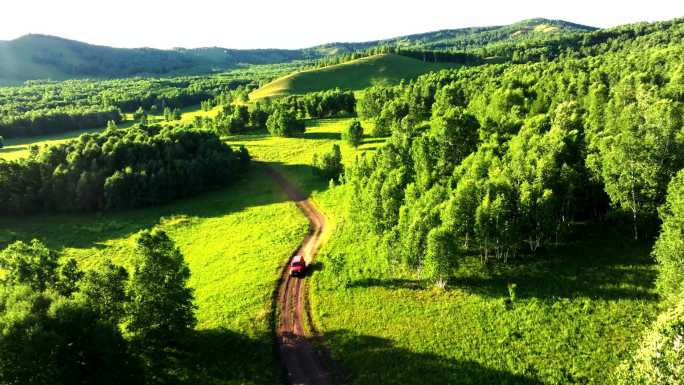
(293, 24)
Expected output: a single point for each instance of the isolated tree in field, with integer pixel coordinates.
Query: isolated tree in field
(177, 115)
(105, 291)
(353, 133)
(168, 114)
(111, 125)
(329, 165)
(160, 307)
(31, 264)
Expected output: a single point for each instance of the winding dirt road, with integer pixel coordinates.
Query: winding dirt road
(303, 364)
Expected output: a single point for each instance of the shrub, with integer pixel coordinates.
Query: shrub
(329, 165)
(353, 133)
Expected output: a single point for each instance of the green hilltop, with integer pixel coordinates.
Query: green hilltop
(353, 75)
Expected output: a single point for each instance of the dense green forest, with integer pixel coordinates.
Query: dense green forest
(61, 324)
(119, 169)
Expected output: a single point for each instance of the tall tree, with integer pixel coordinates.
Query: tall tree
(160, 307)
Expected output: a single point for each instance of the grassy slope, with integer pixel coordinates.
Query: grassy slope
(354, 75)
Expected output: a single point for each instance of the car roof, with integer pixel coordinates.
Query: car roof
(297, 258)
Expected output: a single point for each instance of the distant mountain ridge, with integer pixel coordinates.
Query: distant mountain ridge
(470, 37)
(38, 56)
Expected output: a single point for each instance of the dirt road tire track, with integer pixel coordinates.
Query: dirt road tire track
(302, 363)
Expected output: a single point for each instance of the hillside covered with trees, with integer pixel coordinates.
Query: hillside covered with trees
(48, 57)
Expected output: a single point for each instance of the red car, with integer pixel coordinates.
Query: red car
(297, 266)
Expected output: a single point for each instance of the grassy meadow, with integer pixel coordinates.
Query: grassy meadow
(235, 241)
(573, 315)
(354, 75)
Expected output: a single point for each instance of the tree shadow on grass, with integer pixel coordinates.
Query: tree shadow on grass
(254, 135)
(9, 150)
(373, 360)
(392, 283)
(216, 356)
(320, 135)
(93, 229)
(373, 140)
(599, 264)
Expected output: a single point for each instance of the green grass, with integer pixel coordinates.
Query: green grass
(579, 311)
(354, 75)
(235, 241)
(293, 156)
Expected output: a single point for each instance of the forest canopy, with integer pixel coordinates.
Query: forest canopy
(119, 169)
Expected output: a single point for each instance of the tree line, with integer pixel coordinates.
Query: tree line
(119, 169)
(40, 108)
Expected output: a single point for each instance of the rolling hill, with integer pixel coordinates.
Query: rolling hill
(48, 57)
(353, 75)
(466, 38)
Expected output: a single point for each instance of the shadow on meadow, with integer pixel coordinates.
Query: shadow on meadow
(601, 265)
(254, 135)
(373, 360)
(9, 150)
(93, 229)
(214, 356)
(319, 135)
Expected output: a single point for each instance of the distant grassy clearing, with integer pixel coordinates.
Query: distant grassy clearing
(293, 156)
(354, 75)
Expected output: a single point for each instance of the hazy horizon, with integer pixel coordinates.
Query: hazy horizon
(291, 25)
